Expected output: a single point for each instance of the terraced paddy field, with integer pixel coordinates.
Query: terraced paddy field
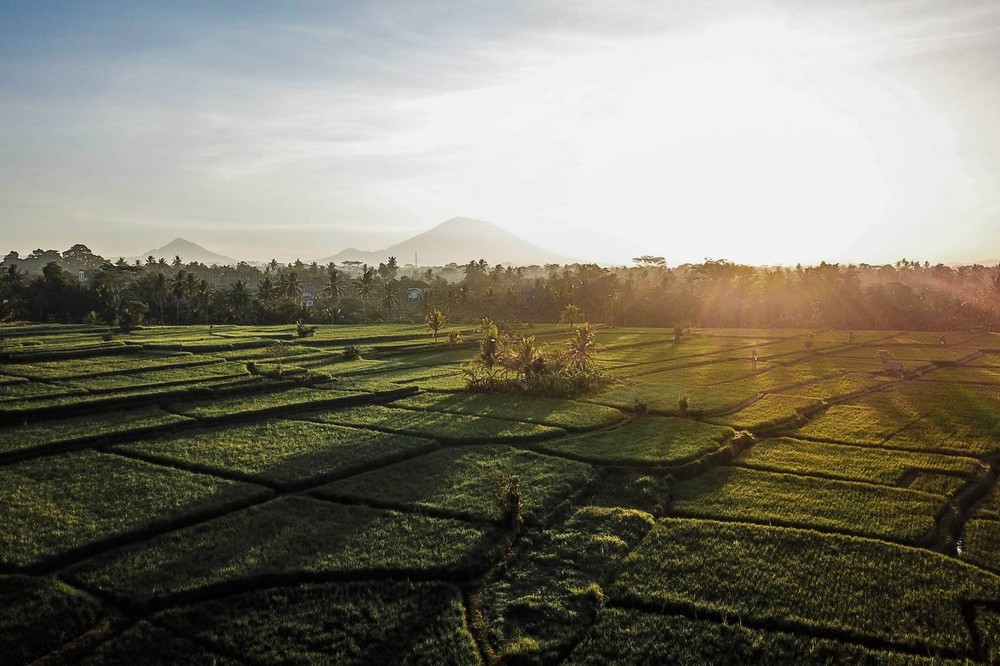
(240, 495)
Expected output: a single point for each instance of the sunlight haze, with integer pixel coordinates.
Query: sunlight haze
(771, 133)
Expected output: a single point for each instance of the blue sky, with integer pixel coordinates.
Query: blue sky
(852, 131)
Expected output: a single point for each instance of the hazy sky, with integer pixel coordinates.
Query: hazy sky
(764, 132)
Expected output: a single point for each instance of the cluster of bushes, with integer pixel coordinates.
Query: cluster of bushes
(512, 363)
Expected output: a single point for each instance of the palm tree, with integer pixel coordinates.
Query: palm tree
(365, 284)
(435, 321)
(580, 348)
(333, 289)
(239, 299)
(161, 291)
(525, 359)
(290, 286)
(266, 290)
(389, 297)
(178, 288)
(203, 298)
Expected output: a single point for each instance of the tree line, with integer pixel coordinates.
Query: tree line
(79, 286)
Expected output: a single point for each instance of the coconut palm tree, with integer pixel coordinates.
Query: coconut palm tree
(290, 286)
(178, 289)
(389, 295)
(203, 298)
(365, 285)
(239, 299)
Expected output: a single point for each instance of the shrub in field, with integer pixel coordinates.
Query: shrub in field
(351, 352)
(304, 331)
(435, 321)
(508, 363)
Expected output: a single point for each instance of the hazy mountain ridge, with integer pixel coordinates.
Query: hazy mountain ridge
(458, 240)
(188, 252)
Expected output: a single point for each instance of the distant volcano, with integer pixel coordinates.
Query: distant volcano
(459, 240)
(189, 252)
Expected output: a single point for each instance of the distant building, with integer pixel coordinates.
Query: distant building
(414, 294)
(308, 299)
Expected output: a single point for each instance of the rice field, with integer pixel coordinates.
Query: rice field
(200, 495)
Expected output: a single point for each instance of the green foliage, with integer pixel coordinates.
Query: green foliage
(39, 615)
(540, 605)
(450, 428)
(289, 454)
(462, 482)
(508, 363)
(756, 573)
(771, 411)
(289, 539)
(435, 321)
(566, 414)
(852, 463)
(304, 331)
(644, 441)
(351, 352)
(54, 506)
(981, 543)
(131, 423)
(348, 623)
(280, 401)
(630, 636)
(786, 499)
(154, 646)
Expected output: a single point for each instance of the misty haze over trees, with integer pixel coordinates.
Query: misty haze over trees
(79, 286)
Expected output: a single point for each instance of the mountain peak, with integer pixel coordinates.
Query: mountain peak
(189, 251)
(459, 240)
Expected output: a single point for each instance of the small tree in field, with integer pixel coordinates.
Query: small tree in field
(572, 315)
(277, 352)
(435, 321)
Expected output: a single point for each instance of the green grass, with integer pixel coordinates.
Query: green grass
(946, 435)
(39, 615)
(51, 507)
(42, 434)
(290, 539)
(540, 604)
(981, 543)
(636, 637)
(152, 646)
(990, 505)
(351, 623)
(287, 453)
(450, 428)
(870, 421)
(56, 405)
(566, 414)
(130, 362)
(650, 440)
(462, 482)
(769, 412)
(29, 390)
(850, 463)
(241, 405)
(965, 373)
(785, 499)
(799, 580)
(938, 484)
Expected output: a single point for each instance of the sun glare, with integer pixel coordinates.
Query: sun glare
(714, 133)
